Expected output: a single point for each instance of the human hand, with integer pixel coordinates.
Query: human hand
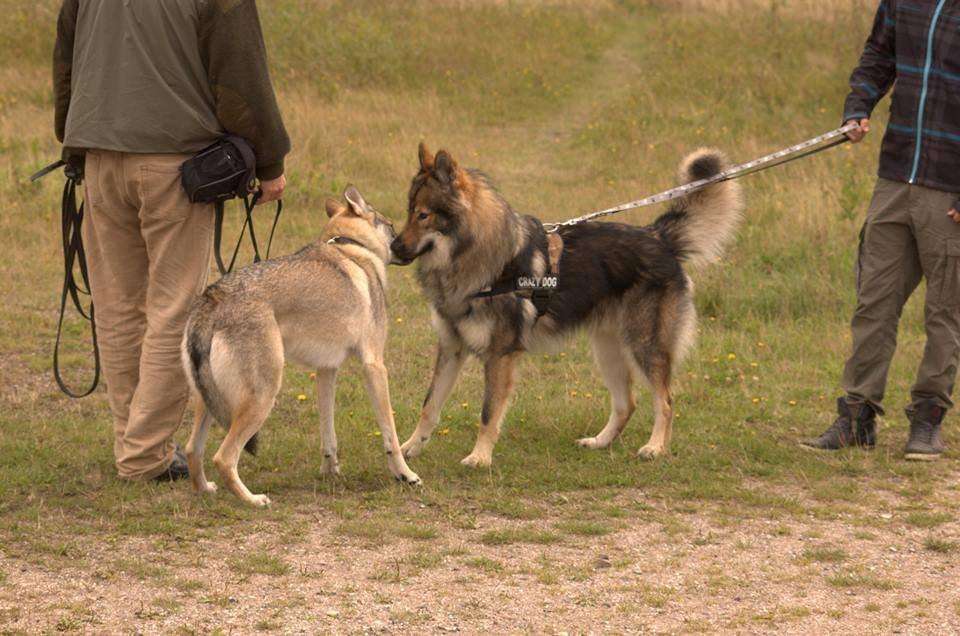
(953, 214)
(272, 189)
(858, 134)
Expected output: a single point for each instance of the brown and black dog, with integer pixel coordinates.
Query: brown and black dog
(624, 284)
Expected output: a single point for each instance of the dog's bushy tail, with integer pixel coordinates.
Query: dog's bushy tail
(700, 225)
(196, 362)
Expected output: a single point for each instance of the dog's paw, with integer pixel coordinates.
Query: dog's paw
(649, 452)
(589, 442)
(330, 468)
(208, 489)
(409, 478)
(260, 501)
(413, 446)
(477, 459)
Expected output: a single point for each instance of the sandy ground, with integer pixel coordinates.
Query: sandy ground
(695, 571)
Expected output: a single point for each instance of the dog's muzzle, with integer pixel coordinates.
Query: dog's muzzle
(403, 255)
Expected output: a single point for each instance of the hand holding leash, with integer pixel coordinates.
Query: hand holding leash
(857, 134)
(272, 189)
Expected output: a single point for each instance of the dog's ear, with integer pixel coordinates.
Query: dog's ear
(445, 168)
(356, 202)
(334, 207)
(426, 157)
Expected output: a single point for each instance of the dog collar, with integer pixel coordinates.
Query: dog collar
(345, 240)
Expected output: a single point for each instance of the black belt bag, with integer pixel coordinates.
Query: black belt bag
(225, 170)
(221, 171)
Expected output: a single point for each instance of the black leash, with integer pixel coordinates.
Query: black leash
(74, 259)
(248, 205)
(71, 222)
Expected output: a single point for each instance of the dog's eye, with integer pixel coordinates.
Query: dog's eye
(422, 216)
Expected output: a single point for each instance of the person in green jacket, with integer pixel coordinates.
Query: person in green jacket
(139, 87)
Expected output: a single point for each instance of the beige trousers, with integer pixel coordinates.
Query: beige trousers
(148, 254)
(907, 237)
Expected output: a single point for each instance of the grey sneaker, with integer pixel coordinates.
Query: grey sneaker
(926, 436)
(855, 426)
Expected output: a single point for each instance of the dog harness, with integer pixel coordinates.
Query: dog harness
(537, 289)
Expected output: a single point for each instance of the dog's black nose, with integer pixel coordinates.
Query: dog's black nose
(397, 247)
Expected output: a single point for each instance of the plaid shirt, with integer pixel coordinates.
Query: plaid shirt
(917, 45)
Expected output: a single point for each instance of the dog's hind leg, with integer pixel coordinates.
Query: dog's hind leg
(659, 441)
(656, 366)
(198, 440)
(499, 376)
(450, 359)
(326, 394)
(608, 353)
(248, 418)
(379, 390)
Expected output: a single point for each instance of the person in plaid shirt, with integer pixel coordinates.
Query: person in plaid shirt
(912, 229)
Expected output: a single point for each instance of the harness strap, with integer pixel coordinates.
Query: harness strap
(539, 296)
(554, 251)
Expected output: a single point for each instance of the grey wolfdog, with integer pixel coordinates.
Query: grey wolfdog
(624, 284)
(315, 307)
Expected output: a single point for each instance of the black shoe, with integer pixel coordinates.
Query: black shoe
(177, 468)
(849, 429)
(926, 436)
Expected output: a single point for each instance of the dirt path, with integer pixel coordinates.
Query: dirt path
(700, 568)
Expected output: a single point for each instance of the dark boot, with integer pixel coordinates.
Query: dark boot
(855, 426)
(177, 468)
(926, 437)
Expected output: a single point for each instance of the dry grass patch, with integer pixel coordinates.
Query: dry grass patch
(824, 555)
(485, 564)
(260, 563)
(509, 536)
(818, 9)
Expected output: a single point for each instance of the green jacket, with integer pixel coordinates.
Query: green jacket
(165, 76)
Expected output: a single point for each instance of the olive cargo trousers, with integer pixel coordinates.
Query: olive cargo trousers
(148, 254)
(907, 236)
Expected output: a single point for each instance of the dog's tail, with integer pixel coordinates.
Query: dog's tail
(195, 351)
(700, 225)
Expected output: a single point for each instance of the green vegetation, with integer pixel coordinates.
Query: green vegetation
(569, 107)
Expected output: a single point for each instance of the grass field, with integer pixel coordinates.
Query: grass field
(570, 107)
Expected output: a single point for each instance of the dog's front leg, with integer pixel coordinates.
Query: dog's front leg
(499, 374)
(379, 390)
(326, 396)
(450, 359)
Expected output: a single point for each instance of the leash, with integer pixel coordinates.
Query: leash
(248, 204)
(71, 220)
(792, 153)
(74, 258)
